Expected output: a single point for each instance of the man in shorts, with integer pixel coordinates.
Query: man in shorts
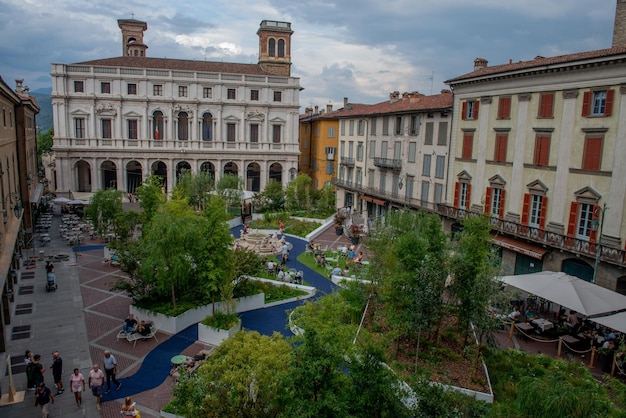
(57, 371)
(96, 383)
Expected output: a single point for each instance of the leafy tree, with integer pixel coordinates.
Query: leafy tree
(326, 201)
(44, 142)
(125, 223)
(105, 207)
(195, 187)
(238, 380)
(247, 262)
(151, 198)
(298, 193)
(272, 198)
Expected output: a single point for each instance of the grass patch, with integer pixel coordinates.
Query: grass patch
(292, 226)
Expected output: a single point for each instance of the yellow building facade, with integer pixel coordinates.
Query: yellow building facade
(318, 145)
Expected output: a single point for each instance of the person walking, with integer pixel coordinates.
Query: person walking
(96, 383)
(110, 369)
(77, 384)
(37, 370)
(43, 398)
(57, 371)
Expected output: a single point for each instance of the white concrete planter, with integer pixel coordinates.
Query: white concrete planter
(164, 414)
(216, 336)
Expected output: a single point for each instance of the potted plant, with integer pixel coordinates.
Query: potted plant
(340, 218)
(217, 327)
(355, 232)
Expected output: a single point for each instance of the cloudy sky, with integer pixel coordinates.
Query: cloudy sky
(360, 49)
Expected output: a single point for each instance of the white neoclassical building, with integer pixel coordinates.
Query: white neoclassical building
(118, 120)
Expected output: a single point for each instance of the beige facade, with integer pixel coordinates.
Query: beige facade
(118, 120)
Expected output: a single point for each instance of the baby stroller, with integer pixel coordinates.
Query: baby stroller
(51, 285)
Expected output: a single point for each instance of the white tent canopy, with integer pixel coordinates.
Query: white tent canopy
(616, 322)
(570, 291)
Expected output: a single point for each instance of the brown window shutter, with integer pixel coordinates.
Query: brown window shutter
(586, 103)
(464, 111)
(608, 106)
(488, 201)
(573, 215)
(504, 108)
(546, 105)
(468, 197)
(592, 156)
(457, 194)
(468, 145)
(543, 212)
(476, 104)
(502, 200)
(526, 209)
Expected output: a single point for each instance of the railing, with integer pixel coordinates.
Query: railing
(392, 163)
(396, 199)
(175, 145)
(608, 254)
(347, 161)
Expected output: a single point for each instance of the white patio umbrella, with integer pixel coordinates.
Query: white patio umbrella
(569, 291)
(616, 321)
(78, 202)
(61, 200)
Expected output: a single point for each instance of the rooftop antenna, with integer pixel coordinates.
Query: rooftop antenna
(431, 78)
(132, 15)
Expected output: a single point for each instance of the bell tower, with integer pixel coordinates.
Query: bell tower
(132, 37)
(275, 47)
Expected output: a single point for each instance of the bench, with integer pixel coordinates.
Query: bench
(134, 337)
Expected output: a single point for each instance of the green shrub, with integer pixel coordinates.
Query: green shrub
(221, 320)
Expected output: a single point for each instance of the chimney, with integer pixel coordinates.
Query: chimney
(345, 102)
(619, 27)
(329, 108)
(18, 86)
(394, 97)
(308, 111)
(480, 63)
(316, 111)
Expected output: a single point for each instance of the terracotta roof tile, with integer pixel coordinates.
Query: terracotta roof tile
(540, 62)
(179, 65)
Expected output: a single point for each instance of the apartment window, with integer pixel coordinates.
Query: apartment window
(582, 217)
(183, 126)
(370, 178)
(254, 95)
(342, 127)
(207, 126)
(271, 47)
(504, 108)
(598, 102)
(536, 207)
(546, 105)
(359, 176)
(372, 149)
(79, 86)
(494, 202)
(132, 128)
(383, 149)
(438, 193)
(231, 132)
(373, 126)
(408, 192)
(254, 132)
(331, 131)
(281, 47)
(330, 150)
(330, 168)
(592, 154)
(398, 125)
(342, 149)
(542, 150)
(157, 90)
(359, 151)
(500, 147)
(131, 88)
(351, 128)
(207, 92)
(105, 88)
(79, 127)
(442, 138)
(105, 126)
(440, 166)
(428, 137)
(425, 192)
(231, 94)
(414, 125)
(468, 145)
(382, 181)
(276, 134)
(361, 128)
(278, 96)
(157, 125)
(350, 149)
(385, 125)
(412, 152)
(469, 110)
(426, 166)
(182, 91)
(462, 192)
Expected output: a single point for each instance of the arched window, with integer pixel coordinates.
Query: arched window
(183, 126)
(271, 50)
(158, 129)
(207, 122)
(281, 47)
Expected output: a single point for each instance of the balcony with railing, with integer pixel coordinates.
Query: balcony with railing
(392, 163)
(608, 253)
(347, 161)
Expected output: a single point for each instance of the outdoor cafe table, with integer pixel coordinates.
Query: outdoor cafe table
(544, 324)
(179, 359)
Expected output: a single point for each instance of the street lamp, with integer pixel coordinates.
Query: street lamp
(400, 185)
(598, 213)
(14, 201)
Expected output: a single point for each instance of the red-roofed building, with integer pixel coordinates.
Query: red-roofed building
(118, 120)
(539, 146)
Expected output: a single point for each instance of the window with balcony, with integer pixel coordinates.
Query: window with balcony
(157, 125)
(468, 145)
(370, 178)
(581, 218)
(183, 91)
(105, 126)
(494, 201)
(183, 126)
(105, 87)
(207, 92)
(535, 205)
(425, 192)
(79, 127)
(546, 105)
(254, 95)
(131, 89)
(469, 110)
(598, 102)
(462, 194)
(541, 154)
(132, 129)
(207, 126)
(231, 94)
(276, 131)
(438, 193)
(428, 135)
(350, 149)
(157, 90)
(504, 107)
(79, 86)
(592, 153)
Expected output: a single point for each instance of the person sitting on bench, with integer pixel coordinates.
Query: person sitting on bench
(144, 328)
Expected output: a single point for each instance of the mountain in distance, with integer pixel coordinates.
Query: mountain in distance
(44, 100)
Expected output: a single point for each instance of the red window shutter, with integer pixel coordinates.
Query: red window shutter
(476, 103)
(457, 194)
(592, 156)
(608, 106)
(502, 199)
(542, 214)
(501, 146)
(542, 150)
(573, 216)
(593, 235)
(504, 108)
(468, 197)
(546, 105)
(526, 209)
(586, 103)
(468, 145)
(464, 111)
(488, 201)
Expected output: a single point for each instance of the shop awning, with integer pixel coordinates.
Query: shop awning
(379, 202)
(37, 193)
(521, 247)
(367, 198)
